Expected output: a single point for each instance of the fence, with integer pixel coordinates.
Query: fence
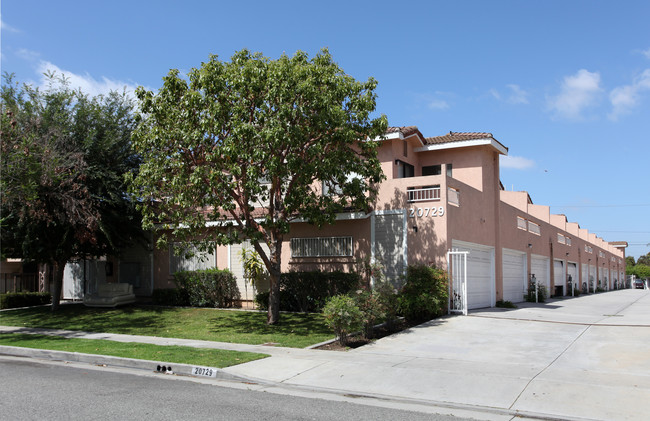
(18, 282)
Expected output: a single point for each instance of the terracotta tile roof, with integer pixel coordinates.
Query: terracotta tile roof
(457, 137)
(405, 130)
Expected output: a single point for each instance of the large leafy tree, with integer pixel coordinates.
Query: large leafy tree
(245, 144)
(64, 156)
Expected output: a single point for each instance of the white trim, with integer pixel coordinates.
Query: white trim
(465, 144)
(405, 241)
(372, 240)
(460, 244)
(229, 258)
(389, 212)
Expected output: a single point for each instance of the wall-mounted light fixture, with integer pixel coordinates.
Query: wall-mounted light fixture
(530, 246)
(567, 253)
(415, 228)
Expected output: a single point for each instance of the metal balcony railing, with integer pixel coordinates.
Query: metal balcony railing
(424, 194)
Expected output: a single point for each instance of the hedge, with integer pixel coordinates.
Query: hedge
(208, 288)
(24, 299)
(308, 291)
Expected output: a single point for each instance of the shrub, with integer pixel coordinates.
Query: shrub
(541, 294)
(170, 297)
(343, 316)
(387, 297)
(209, 288)
(308, 291)
(24, 299)
(425, 293)
(505, 304)
(372, 310)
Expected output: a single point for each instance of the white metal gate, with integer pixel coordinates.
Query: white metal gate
(457, 264)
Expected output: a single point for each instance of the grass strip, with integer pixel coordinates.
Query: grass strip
(164, 353)
(296, 330)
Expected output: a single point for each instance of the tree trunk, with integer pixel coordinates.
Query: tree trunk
(58, 284)
(273, 316)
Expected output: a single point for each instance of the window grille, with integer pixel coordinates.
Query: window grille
(190, 258)
(534, 228)
(321, 247)
(521, 223)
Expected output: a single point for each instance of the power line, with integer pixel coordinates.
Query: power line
(598, 206)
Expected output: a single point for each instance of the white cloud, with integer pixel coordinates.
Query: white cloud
(646, 53)
(438, 104)
(625, 98)
(578, 92)
(517, 95)
(88, 84)
(7, 28)
(516, 162)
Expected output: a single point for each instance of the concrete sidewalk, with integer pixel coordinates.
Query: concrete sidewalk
(580, 358)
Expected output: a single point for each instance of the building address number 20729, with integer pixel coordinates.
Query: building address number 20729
(425, 212)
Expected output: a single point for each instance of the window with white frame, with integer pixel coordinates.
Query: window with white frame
(190, 258)
(521, 223)
(534, 228)
(561, 238)
(321, 247)
(568, 241)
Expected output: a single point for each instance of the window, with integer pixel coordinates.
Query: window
(321, 247)
(190, 258)
(568, 241)
(561, 238)
(453, 196)
(448, 166)
(404, 170)
(432, 170)
(521, 223)
(534, 228)
(333, 188)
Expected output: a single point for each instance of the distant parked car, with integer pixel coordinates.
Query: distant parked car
(639, 284)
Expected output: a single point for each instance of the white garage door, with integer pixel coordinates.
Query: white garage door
(592, 278)
(236, 266)
(480, 273)
(514, 275)
(539, 266)
(572, 271)
(558, 275)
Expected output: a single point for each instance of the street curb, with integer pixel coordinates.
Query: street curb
(107, 360)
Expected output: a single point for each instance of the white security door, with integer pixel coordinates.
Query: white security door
(514, 275)
(73, 277)
(539, 266)
(480, 273)
(390, 245)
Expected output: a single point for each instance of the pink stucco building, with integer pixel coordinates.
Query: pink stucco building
(441, 194)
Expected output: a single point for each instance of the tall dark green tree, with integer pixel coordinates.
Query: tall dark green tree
(64, 159)
(245, 145)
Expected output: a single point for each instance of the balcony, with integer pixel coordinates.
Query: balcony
(423, 194)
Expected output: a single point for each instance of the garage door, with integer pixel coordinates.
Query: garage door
(572, 271)
(558, 275)
(480, 273)
(539, 266)
(514, 276)
(592, 278)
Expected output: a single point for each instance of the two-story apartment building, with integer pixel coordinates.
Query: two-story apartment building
(441, 194)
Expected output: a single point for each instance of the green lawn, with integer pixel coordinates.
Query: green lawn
(167, 354)
(246, 327)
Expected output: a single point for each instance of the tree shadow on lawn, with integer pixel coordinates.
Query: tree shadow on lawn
(91, 319)
(244, 322)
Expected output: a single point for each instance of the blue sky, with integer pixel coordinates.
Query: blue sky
(565, 85)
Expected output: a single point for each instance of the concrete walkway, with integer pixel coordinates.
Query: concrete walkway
(580, 358)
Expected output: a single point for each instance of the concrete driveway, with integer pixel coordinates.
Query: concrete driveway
(586, 358)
